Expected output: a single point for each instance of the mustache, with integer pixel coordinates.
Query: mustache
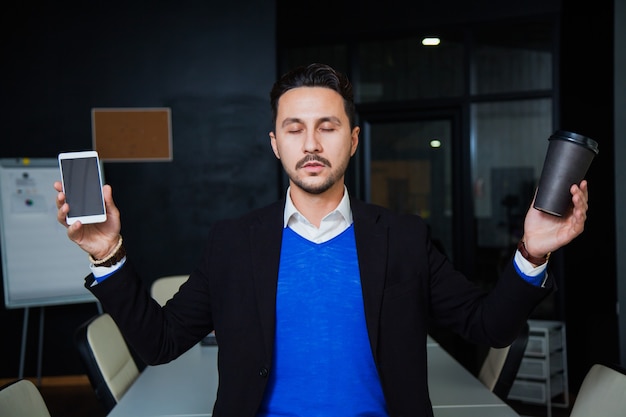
(313, 158)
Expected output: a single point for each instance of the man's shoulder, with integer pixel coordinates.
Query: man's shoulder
(270, 212)
(363, 211)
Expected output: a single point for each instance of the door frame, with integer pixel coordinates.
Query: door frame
(358, 178)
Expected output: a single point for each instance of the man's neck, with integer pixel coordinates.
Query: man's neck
(314, 207)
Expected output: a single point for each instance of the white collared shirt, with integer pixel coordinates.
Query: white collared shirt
(332, 225)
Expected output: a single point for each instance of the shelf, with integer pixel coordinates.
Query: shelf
(543, 372)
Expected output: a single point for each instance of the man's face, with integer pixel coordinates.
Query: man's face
(313, 139)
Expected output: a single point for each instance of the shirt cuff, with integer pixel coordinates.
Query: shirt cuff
(534, 275)
(100, 273)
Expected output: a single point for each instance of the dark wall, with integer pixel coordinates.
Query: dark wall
(212, 63)
(586, 100)
(351, 18)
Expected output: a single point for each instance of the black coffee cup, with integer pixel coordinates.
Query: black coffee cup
(567, 161)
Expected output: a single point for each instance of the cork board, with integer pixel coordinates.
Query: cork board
(132, 134)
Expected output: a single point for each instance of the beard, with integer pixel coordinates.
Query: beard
(314, 188)
(318, 188)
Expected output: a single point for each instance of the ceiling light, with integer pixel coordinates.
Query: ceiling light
(431, 41)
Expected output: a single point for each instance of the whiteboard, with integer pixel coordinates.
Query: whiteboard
(40, 265)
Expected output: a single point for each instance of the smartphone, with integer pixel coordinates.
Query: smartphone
(82, 184)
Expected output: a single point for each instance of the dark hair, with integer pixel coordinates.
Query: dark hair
(315, 75)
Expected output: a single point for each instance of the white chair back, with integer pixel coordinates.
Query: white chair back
(110, 366)
(22, 398)
(500, 367)
(602, 393)
(164, 288)
(112, 354)
(492, 366)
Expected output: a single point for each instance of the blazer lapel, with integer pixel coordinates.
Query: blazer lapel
(371, 242)
(266, 233)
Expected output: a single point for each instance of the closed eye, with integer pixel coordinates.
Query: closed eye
(328, 127)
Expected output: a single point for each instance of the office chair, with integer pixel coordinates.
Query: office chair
(164, 288)
(500, 367)
(22, 398)
(602, 393)
(111, 368)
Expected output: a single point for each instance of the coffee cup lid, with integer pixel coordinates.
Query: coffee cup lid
(589, 143)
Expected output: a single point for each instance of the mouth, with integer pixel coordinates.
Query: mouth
(313, 162)
(313, 168)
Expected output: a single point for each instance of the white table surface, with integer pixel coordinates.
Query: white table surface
(455, 392)
(186, 387)
(183, 387)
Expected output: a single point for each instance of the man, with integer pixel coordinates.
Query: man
(320, 302)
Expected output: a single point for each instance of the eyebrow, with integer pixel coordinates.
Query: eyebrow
(291, 120)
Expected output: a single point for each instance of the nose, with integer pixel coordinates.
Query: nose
(312, 143)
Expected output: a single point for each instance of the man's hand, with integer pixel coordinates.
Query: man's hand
(97, 239)
(544, 233)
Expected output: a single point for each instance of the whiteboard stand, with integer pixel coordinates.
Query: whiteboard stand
(23, 347)
(39, 347)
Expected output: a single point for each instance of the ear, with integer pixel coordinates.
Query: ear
(355, 140)
(274, 146)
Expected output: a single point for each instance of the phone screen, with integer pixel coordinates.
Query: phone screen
(83, 188)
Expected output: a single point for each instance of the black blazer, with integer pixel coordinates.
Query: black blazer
(406, 282)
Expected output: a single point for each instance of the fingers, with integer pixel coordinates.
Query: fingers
(107, 192)
(58, 186)
(580, 198)
(74, 230)
(62, 208)
(580, 195)
(109, 204)
(583, 187)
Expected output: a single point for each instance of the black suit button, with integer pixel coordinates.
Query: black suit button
(264, 372)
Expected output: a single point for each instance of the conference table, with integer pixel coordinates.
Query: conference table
(186, 387)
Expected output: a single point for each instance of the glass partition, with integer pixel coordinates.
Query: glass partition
(411, 172)
(508, 145)
(404, 69)
(512, 57)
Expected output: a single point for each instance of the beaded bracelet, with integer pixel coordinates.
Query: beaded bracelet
(116, 255)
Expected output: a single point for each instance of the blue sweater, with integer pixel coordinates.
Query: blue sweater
(323, 364)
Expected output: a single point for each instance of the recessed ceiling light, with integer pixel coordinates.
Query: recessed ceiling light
(431, 41)
(435, 143)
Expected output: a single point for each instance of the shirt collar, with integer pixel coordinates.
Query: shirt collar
(343, 208)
